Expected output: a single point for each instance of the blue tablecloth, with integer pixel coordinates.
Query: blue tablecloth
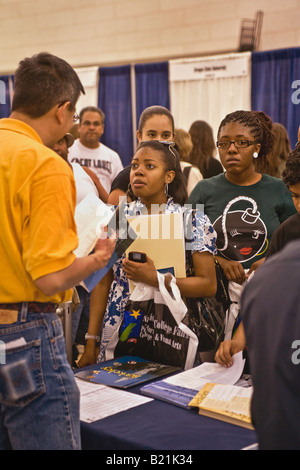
(158, 425)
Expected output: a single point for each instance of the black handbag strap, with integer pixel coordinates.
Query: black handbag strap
(222, 294)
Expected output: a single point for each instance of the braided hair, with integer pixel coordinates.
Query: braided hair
(177, 188)
(260, 127)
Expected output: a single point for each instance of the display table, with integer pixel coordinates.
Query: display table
(158, 425)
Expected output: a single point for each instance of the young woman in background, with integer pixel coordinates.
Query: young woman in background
(156, 123)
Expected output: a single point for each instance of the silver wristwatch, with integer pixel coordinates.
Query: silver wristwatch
(95, 337)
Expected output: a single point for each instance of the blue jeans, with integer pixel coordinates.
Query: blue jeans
(39, 398)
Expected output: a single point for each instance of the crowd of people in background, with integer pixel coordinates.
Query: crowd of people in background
(246, 179)
(229, 182)
(246, 182)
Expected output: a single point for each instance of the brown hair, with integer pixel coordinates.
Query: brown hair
(281, 150)
(204, 146)
(183, 143)
(151, 111)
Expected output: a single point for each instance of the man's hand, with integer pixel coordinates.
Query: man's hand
(80, 269)
(103, 250)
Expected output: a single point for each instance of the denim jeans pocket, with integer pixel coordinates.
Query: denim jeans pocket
(21, 377)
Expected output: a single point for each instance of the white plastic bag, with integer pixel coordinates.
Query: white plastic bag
(167, 329)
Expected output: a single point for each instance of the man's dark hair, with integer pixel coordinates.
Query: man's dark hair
(291, 173)
(92, 109)
(43, 81)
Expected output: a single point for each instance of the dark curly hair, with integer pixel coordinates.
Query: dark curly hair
(177, 188)
(291, 173)
(260, 127)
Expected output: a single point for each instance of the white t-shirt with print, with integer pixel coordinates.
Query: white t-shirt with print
(104, 161)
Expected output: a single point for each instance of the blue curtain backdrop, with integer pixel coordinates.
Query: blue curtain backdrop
(152, 86)
(114, 99)
(275, 87)
(4, 96)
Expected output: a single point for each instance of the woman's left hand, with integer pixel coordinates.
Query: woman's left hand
(141, 272)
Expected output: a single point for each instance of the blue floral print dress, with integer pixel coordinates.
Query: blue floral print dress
(202, 238)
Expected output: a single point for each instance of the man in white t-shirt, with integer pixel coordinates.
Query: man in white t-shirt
(89, 152)
(86, 180)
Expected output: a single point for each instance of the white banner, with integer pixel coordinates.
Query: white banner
(89, 80)
(236, 65)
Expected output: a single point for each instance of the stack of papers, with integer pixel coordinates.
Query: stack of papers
(180, 388)
(229, 403)
(99, 401)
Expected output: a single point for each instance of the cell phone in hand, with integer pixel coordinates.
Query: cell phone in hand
(137, 257)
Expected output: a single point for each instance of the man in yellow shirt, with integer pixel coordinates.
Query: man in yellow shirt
(38, 395)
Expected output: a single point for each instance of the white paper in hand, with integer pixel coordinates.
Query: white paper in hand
(91, 215)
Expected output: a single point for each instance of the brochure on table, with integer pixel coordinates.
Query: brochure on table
(181, 388)
(229, 403)
(125, 372)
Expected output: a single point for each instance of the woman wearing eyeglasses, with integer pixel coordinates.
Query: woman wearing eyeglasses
(156, 183)
(244, 205)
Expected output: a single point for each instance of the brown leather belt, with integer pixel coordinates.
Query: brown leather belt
(33, 307)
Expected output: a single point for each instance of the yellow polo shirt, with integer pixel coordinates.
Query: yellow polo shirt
(37, 204)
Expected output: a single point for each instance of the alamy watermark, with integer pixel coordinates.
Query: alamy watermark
(147, 230)
(2, 92)
(296, 354)
(296, 94)
(2, 353)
